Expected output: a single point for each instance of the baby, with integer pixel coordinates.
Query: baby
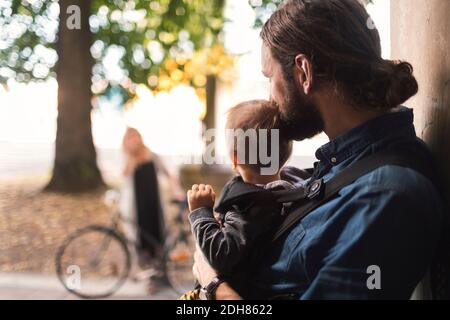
(247, 216)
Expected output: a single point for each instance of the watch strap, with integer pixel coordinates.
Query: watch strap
(211, 288)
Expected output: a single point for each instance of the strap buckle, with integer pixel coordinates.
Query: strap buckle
(315, 189)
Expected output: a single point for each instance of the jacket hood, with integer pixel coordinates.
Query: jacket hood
(240, 194)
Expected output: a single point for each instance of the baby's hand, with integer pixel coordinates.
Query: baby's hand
(201, 196)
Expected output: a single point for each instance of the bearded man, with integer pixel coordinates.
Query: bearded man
(327, 75)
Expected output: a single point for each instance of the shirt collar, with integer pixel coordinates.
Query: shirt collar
(389, 125)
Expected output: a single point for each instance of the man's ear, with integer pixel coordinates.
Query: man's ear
(304, 73)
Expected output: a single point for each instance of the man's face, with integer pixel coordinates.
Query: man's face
(272, 70)
(299, 114)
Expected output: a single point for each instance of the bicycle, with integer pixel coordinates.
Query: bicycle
(94, 262)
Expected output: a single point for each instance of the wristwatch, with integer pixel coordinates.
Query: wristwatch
(209, 292)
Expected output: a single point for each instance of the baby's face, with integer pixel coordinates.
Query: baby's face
(247, 174)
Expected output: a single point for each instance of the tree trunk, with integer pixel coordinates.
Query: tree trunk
(211, 89)
(75, 166)
(210, 119)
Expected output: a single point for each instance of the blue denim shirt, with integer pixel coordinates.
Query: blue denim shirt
(390, 218)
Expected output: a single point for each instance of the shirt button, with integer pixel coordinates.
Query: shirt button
(333, 160)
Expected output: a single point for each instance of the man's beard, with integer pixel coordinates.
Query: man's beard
(300, 118)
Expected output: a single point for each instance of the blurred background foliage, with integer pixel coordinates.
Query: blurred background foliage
(156, 43)
(263, 10)
(159, 44)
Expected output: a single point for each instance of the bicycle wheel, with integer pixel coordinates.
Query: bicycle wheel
(179, 262)
(93, 262)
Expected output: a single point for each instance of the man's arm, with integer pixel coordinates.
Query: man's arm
(225, 292)
(205, 274)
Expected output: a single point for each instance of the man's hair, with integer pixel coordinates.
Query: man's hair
(258, 114)
(339, 38)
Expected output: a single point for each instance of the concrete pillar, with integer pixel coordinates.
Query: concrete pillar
(420, 34)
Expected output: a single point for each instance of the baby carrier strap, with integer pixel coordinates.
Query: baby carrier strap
(317, 192)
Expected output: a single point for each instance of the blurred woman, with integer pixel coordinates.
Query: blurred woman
(141, 204)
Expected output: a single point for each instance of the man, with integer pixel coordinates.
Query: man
(326, 71)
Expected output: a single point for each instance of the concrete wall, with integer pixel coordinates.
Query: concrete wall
(420, 34)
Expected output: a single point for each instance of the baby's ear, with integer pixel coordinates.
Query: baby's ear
(234, 160)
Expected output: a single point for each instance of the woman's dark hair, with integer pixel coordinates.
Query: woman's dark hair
(339, 38)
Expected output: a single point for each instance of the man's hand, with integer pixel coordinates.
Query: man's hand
(202, 270)
(201, 196)
(205, 274)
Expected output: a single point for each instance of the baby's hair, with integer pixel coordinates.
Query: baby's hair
(258, 114)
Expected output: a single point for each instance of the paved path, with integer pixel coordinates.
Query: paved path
(26, 286)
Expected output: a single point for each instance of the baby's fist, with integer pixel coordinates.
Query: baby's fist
(200, 196)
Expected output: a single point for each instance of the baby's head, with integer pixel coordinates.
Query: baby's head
(258, 151)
